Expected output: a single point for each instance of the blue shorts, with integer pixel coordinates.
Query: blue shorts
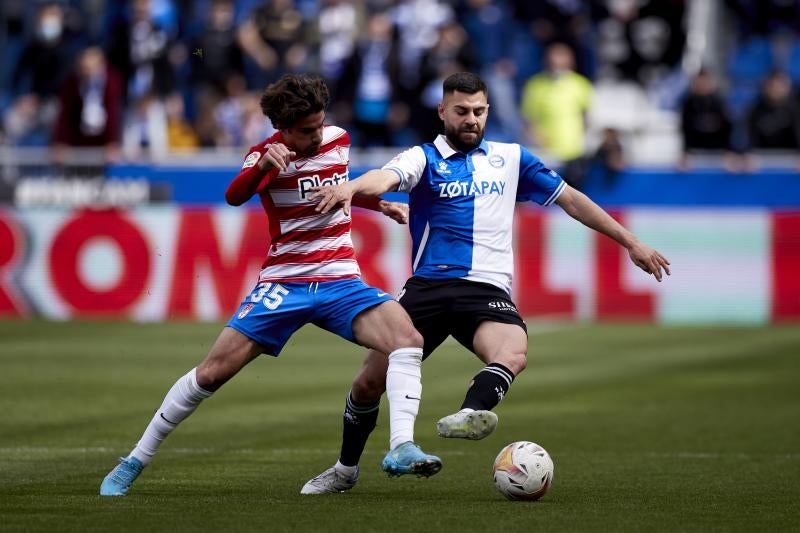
(274, 311)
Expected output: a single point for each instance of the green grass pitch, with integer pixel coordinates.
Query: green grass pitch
(650, 428)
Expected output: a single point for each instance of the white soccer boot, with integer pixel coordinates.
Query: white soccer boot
(330, 481)
(472, 425)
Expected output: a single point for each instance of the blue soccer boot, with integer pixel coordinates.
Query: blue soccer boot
(408, 458)
(119, 480)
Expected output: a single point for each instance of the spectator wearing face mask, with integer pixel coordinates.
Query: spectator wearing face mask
(43, 64)
(91, 107)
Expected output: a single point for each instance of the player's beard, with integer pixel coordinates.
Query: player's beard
(457, 138)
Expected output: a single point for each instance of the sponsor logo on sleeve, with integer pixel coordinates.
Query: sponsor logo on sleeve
(251, 160)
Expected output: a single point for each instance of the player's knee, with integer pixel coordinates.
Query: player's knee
(416, 339)
(520, 362)
(515, 362)
(409, 338)
(211, 376)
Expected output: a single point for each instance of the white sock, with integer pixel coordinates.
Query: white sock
(466, 410)
(346, 470)
(404, 391)
(181, 401)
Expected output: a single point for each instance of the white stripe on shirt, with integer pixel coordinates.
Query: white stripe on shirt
(319, 221)
(325, 243)
(332, 269)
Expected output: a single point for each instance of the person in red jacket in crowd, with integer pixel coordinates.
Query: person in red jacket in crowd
(91, 107)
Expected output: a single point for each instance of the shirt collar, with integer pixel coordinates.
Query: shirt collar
(446, 150)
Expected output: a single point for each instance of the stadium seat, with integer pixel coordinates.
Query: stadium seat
(618, 105)
(792, 67)
(751, 60)
(741, 96)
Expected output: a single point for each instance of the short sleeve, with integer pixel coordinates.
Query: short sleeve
(537, 183)
(409, 166)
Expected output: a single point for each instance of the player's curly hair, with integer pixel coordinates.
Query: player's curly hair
(293, 97)
(464, 82)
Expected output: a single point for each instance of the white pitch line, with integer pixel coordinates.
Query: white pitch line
(43, 450)
(716, 455)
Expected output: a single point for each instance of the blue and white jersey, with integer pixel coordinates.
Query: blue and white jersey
(462, 206)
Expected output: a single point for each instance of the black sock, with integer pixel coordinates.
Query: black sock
(488, 387)
(359, 421)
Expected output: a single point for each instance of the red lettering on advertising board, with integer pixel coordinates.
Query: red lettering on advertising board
(71, 240)
(614, 301)
(12, 248)
(533, 297)
(368, 239)
(785, 266)
(197, 249)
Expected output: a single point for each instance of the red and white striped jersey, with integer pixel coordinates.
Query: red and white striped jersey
(306, 245)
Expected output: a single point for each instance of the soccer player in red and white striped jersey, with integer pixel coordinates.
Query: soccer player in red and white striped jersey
(305, 246)
(310, 275)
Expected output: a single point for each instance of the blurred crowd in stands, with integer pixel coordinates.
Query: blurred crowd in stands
(752, 103)
(143, 78)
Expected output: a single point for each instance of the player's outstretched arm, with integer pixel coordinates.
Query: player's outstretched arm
(397, 211)
(372, 183)
(581, 208)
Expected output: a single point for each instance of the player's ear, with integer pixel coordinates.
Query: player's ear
(440, 109)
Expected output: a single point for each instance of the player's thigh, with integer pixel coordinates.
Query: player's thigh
(360, 313)
(487, 323)
(386, 327)
(272, 312)
(496, 342)
(264, 321)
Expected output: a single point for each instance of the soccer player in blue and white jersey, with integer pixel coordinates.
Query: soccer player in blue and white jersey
(462, 194)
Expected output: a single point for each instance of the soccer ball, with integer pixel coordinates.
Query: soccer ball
(523, 471)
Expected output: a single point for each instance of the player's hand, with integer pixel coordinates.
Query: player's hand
(277, 155)
(331, 196)
(397, 211)
(649, 260)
